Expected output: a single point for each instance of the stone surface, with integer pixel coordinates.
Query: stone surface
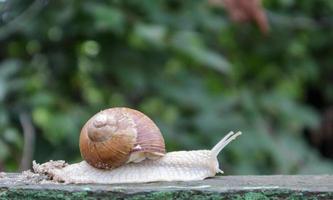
(27, 186)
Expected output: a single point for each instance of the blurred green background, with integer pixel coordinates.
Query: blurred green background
(185, 64)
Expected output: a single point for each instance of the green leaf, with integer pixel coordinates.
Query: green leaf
(12, 136)
(8, 68)
(150, 34)
(106, 17)
(4, 153)
(190, 44)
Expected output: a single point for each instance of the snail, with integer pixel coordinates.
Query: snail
(122, 145)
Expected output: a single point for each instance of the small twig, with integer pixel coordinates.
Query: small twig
(29, 141)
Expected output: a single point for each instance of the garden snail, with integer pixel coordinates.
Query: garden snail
(140, 160)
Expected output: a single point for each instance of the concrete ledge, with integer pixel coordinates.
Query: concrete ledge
(13, 186)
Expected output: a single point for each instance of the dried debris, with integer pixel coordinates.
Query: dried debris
(47, 169)
(2, 174)
(241, 11)
(41, 174)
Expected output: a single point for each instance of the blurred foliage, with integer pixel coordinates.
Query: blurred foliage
(183, 63)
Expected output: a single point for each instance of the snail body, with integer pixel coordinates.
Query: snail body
(122, 145)
(173, 166)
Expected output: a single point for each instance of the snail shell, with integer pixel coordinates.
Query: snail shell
(117, 136)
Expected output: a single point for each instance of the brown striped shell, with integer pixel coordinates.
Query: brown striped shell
(117, 136)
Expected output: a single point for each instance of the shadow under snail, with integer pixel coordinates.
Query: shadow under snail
(122, 145)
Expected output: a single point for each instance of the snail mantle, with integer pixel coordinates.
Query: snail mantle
(33, 186)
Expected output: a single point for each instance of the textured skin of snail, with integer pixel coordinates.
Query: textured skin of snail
(174, 166)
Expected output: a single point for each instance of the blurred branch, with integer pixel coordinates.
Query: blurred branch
(298, 21)
(19, 21)
(29, 140)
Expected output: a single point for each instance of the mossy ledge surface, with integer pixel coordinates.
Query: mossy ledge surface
(13, 186)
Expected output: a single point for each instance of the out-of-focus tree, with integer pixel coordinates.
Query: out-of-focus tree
(183, 63)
